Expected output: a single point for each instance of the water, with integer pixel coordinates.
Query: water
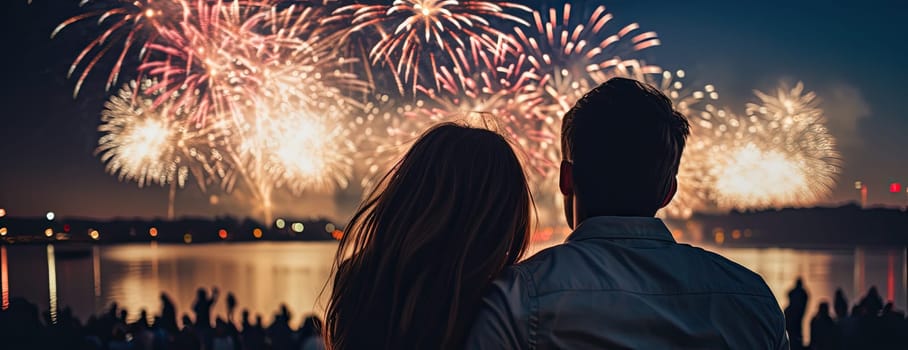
(263, 275)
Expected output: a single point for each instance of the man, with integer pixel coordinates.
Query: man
(620, 280)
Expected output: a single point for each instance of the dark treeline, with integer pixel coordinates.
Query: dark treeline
(32, 230)
(842, 226)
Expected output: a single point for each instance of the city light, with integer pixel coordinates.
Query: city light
(2, 212)
(337, 234)
(330, 228)
(153, 232)
(222, 233)
(94, 234)
(858, 185)
(280, 224)
(895, 187)
(2, 231)
(187, 238)
(297, 227)
(257, 233)
(50, 216)
(48, 232)
(719, 236)
(66, 228)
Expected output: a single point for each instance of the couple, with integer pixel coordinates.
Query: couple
(431, 260)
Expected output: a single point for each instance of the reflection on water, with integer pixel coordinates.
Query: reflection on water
(4, 279)
(96, 269)
(823, 271)
(52, 281)
(264, 275)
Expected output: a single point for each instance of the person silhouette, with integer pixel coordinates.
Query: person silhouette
(621, 280)
(279, 332)
(231, 306)
(841, 305)
(873, 302)
(824, 334)
(794, 314)
(202, 307)
(168, 315)
(417, 255)
(310, 334)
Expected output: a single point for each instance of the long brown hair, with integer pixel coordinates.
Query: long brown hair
(419, 252)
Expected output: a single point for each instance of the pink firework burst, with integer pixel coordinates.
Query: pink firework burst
(126, 26)
(417, 36)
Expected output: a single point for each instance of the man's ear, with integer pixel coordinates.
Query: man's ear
(672, 190)
(566, 178)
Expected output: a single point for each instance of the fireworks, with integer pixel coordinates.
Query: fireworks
(784, 157)
(385, 134)
(419, 33)
(267, 94)
(126, 24)
(143, 145)
(756, 178)
(496, 93)
(238, 52)
(575, 54)
(298, 149)
(779, 155)
(273, 78)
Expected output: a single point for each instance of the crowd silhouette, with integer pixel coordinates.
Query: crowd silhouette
(870, 324)
(23, 327)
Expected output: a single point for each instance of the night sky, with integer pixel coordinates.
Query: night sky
(852, 53)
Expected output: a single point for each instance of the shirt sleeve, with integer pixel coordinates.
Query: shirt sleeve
(503, 318)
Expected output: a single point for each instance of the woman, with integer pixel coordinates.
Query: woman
(419, 252)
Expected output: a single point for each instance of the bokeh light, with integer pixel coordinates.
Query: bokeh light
(719, 236)
(222, 233)
(298, 227)
(2, 212)
(280, 224)
(187, 238)
(257, 233)
(153, 232)
(2, 231)
(330, 228)
(48, 232)
(94, 234)
(50, 216)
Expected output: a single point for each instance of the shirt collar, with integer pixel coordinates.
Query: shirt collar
(622, 227)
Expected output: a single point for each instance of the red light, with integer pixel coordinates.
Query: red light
(222, 233)
(895, 187)
(66, 228)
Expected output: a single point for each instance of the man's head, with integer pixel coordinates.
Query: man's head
(621, 148)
